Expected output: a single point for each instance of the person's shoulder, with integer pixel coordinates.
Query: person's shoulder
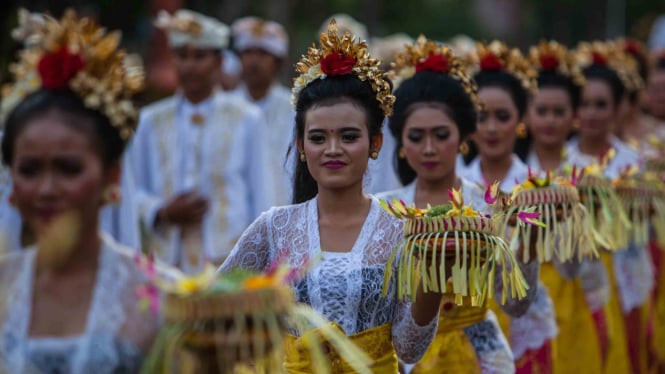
(159, 106)
(11, 263)
(398, 193)
(235, 107)
(281, 93)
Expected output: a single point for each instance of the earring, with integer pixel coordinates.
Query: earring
(302, 157)
(521, 130)
(464, 148)
(374, 155)
(576, 124)
(402, 153)
(112, 195)
(11, 199)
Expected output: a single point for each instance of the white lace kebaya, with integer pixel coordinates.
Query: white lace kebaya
(117, 332)
(343, 287)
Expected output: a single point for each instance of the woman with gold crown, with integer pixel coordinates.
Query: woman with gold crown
(341, 98)
(504, 80)
(435, 114)
(628, 268)
(550, 117)
(68, 305)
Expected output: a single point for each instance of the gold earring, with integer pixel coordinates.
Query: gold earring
(402, 153)
(302, 157)
(464, 148)
(576, 124)
(374, 155)
(521, 130)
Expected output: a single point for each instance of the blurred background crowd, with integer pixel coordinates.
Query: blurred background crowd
(519, 23)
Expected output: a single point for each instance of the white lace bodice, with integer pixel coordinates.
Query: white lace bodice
(634, 273)
(117, 332)
(343, 287)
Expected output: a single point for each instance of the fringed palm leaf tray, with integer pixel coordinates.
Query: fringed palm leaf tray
(457, 238)
(222, 324)
(563, 233)
(607, 216)
(643, 196)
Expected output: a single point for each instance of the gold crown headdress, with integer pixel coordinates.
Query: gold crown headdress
(552, 56)
(428, 55)
(79, 55)
(342, 55)
(611, 55)
(497, 56)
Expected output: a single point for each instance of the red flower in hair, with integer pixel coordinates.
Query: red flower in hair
(549, 62)
(490, 62)
(58, 68)
(632, 47)
(598, 59)
(436, 63)
(337, 64)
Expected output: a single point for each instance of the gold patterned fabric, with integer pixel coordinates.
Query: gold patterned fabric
(451, 350)
(376, 342)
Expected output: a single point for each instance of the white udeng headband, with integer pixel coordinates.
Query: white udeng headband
(273, 44)
(186, 27)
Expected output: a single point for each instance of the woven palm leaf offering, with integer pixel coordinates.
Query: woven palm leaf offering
(561, 229)
(644, 203)
(228, 323)
(607, 216)
(456, 237)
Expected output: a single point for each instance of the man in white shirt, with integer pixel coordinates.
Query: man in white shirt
(262, 47)
(198, 156)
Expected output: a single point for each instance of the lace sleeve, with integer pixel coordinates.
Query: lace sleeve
(252, 251)
(514, 307)
(568, 270)
(595, 284)
(411, 340)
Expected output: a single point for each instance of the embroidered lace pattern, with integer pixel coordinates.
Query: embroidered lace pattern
(633, 271)
(117, 333)
(344, 287)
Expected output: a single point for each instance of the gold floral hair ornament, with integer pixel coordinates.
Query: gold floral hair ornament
(77, 54)
(613, 56)
(342, 55)
(428, 55)
(497, 56)
(552, 56)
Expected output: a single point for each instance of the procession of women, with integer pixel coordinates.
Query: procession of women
(404, 206)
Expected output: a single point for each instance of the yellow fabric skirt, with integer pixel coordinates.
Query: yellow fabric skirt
(576, 348)
(618, 360)
(375, 342)
(451, 351)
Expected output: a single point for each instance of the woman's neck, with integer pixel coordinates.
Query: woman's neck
(333, 203)
(549, 155)
(495, 169)
(435, 192)
(83, 257)
(593, 147)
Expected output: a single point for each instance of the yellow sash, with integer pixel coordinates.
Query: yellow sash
(577, 336)
(451, 351)
(376, 342)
